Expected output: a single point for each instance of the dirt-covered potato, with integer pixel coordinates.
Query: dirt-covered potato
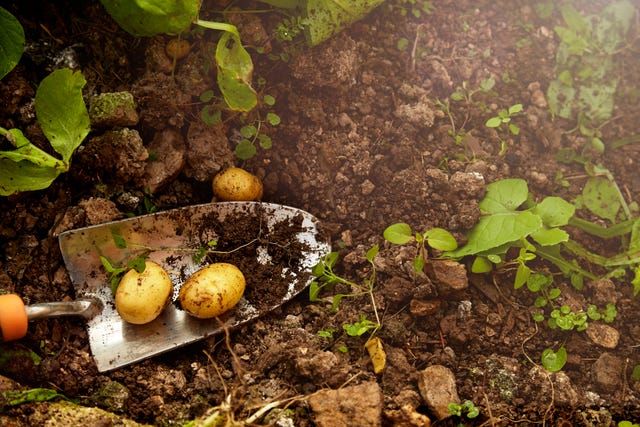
(212, 290)
(235, 184)
(141, 297)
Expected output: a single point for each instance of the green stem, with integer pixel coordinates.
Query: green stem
(219, 26)
(604, 232)
(563, 264)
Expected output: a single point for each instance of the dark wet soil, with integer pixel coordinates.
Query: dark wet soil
(363, 143)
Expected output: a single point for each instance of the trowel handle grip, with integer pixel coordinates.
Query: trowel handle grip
(13, 317)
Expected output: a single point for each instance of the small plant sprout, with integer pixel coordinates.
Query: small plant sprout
(503, 121)
(326, 278)
(554, 361)
(465, 409)
(435, 238)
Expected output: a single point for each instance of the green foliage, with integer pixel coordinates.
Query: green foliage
(586, 81)
(554, 361)
(465, 409)
(64, 120)
(14, 398)
(626, 423)
(436, 238)
(150, 17)
(115, 272)
(11, 42)
(503, 122)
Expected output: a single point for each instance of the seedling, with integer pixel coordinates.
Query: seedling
(503, 121)
(435, 238)
(465, 409)
(64, 120)
(554, 361)
(325, 278)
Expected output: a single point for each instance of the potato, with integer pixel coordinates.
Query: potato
(141, 297)
(212, 290)
(235, 184)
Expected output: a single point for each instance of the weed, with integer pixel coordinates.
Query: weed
(465, 409)
(325, 277)
(436, 238)
(416, 8)
(503, 122)
(64, 119)
(554, 361)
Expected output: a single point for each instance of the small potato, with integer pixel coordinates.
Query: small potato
(212, 290)
(235, 184)
(141, 297)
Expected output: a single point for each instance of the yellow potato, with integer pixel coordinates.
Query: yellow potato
(212, 290)
(141, 297)
(235, 184)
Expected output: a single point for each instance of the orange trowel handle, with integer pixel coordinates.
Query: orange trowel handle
(13, 317)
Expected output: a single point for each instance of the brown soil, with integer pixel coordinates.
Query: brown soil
(362, 145)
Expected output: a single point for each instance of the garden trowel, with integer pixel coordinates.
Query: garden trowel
(176, 239)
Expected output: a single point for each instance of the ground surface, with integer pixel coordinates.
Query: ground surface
(362, 145)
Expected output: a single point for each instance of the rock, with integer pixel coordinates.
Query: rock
(449, 277)
(407, 416)
(169, 158)
(352, 406)
(603, 335)
(564, 393)
(437, 386)
(607, 372)
(117, 157)
(99, 210)
(112, 396)
(322, 367)
(424, 308)
(113, 109)
(418, 114)
(208, 151)
(468, 184)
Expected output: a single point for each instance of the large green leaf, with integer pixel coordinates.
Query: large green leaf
(24, 176)
(504, 196)
(328, 17)
(61, 111)
(11, 42)
(498, 229)
(235, 69)
(151, 17)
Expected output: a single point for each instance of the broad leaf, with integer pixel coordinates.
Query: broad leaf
(234, 73)
(328, 17)
(11, 42)
(21, 176)
(441, 239)
(398, 234)
(504, 196)
(151, 17)
(601, 197)
(61, 111)
(554, 211)
(550, 236)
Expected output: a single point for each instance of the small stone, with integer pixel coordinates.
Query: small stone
(450, 277)
(169, 157)
(99, 210)
(113, 109)
(367, 187)
(470, 184)
(564, 393)
(424, 308)
(607, 372)
(407, 416)
(437, 386)
(538, 99)
(603, 335)
(341, 407)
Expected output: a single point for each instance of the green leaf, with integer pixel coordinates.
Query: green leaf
(235, 69)
(371, 253)
(441, 239)
(273, 119)
(522, 274)
(550, 236)
(504, 196)
(11, 42)
(601, 197)
(418, 264)
(61, 111)
(515, 109)
(554, 361)
(554, 211)
(269, 100)
(24, 176)
(398, 234)
(245, 149)
(328, 17)
(493, 122)
(481, 265)
(151, 17)
(496, 230)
